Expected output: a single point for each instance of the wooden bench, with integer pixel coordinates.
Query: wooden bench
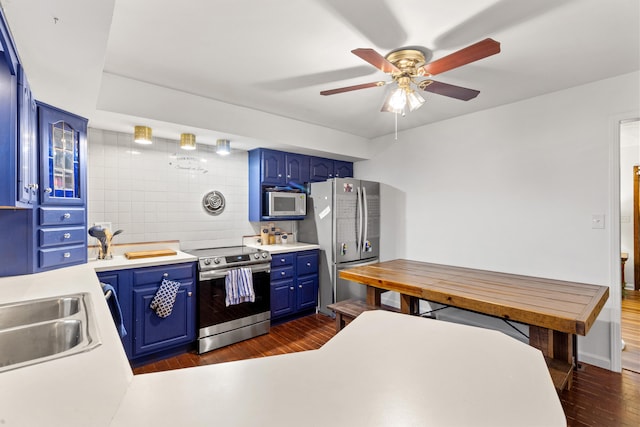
(348, 310)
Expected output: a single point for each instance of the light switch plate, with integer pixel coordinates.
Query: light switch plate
(597, 221)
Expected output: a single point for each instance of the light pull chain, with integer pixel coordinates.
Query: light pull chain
(396, 116)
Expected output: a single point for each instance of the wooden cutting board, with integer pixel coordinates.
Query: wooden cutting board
(149, 254)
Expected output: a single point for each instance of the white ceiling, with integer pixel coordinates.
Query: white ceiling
(255, 57)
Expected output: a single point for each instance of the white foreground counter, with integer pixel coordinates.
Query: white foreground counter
(384, 369)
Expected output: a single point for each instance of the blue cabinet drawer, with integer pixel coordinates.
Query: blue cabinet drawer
(307, 263)
(281, 273)
(61, 216)
(282, 259)
(154, 275)
(62, 256)
(61, 236)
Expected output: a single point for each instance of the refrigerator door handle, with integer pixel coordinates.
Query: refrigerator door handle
(359, 224)
(365, 209)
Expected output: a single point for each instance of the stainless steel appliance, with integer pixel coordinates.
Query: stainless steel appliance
(219, 325)
(344, 220)
(285, 204)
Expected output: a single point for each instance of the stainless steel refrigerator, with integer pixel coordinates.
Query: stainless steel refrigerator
(343, 217)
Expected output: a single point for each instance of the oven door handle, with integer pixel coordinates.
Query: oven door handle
(217, 274)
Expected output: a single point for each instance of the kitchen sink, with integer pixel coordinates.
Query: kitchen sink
(27, 312)
(41, 330)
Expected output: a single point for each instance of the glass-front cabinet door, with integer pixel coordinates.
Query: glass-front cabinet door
(63, 151)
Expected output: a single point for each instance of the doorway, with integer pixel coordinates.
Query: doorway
(630, 242)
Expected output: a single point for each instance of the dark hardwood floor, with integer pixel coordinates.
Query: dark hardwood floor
(598, 397)
(630, 329)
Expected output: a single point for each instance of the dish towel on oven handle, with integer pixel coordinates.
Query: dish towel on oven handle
(164, 299)
(239, 286)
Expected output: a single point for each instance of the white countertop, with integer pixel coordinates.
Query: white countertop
(289, 247)
(384, 369)
(119, 261)
(78, 390)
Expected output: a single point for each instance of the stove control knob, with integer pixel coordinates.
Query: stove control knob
(264, 254)
(256, 255)
(207, 261)
(216, 260)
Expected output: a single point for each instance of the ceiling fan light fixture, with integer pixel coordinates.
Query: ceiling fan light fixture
(395, 101)
(142, 135)
(188, 141)
(223, 147)
(414, 100)
(399, 100)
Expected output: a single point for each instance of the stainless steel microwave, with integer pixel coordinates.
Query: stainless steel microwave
(285, 204)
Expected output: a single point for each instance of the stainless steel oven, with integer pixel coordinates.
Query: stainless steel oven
(218, 324)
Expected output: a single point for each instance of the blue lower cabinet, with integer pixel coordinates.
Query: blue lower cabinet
(294, 283)
(282, 298)
(150, 336)
(154, 333)
(307, 292)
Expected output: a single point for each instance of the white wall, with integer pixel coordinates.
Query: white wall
(151, 199)
(511, 189)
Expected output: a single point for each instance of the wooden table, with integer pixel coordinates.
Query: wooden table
(554, 310)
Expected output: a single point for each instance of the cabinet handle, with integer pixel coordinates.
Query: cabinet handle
(67, 255)
(48, 190)
(279, 175)
(67, 235)
(282, 260)
(282, 273)
(300, 286)
(189, 294)
(291, 288)
(165, 275)
(66, 215)
(308, 264)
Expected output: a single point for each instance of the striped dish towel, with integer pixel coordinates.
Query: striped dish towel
(239, 286)
(164, 299)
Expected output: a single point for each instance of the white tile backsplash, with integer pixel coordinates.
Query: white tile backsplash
(152, 199)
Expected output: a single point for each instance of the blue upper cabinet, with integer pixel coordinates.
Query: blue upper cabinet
(61, 229)
(321, 169)
(18, 184)
(272, 170)
(27, 143)
(63, 151)
(342, 169)
(296, 169)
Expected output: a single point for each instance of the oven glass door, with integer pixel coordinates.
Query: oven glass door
(212, 309)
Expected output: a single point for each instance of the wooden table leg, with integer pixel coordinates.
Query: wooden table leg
(374, 296)
(409, 304)
(554, 345)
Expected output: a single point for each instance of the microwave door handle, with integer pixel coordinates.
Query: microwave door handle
(365, 235)
(359, 224)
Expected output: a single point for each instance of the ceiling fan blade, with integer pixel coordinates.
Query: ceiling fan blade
(446, 89)
(377, 60)
(486, 47)
(350, 88)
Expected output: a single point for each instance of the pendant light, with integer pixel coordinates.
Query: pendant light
(223, 147)
(188, 141)
(142, 135)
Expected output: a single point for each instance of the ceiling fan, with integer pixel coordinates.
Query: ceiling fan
(408, 69)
